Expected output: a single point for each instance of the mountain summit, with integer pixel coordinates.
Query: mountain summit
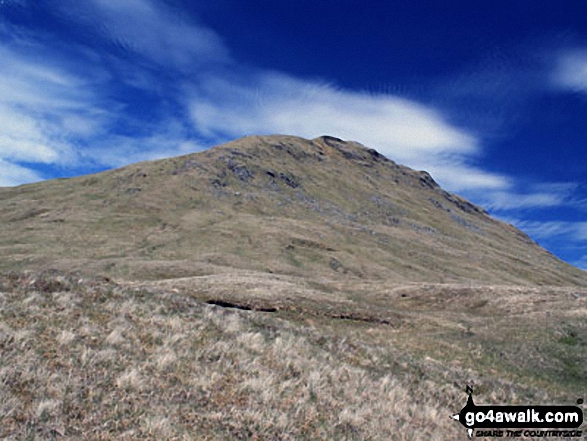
(275, 204)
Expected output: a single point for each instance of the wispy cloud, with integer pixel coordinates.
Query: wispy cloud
(519, 204)
(50, 116)
(550, 229)
(149, 28)
(58, 118)
(64, 105)
(35, 102)
(14, 174)
(55, 115)
(457, 175)
(569, 237)
(402, 129)
(22, 139)
(581, 263)
(571, 71)
(166, 142)
(527, 208)
(500, 200)
(278, 103)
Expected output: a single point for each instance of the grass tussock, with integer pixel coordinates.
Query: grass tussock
(89, 359)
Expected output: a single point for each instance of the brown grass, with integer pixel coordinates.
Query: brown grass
(277, 204)
(90, 359)
(384, 296)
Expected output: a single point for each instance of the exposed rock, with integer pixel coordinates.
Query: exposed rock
(218, 183)
(240, 170)
(463, 204)
(334, 264)
(427, 181)
(290, 179)
(385, 221)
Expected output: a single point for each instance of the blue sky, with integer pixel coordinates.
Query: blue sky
(490, 97)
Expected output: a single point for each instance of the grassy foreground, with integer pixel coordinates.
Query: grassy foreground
(91, 359)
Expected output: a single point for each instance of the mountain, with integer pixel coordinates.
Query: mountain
(275, 204)
(273, 288)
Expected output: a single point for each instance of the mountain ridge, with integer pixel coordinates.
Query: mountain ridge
(282, 204)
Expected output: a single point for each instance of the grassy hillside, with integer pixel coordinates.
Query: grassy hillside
(275, 204)
(273, 288)
(91, 359)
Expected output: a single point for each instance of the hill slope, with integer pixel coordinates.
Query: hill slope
(277, 204)
(273, 288)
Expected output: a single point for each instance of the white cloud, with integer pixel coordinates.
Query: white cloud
(13, 174)
(275, 103)
(574, 231)
(54, 107)
(569, 237)
(28, 82)
(58, 108)
(516, 197)
(50, 116)
(149, 28)
(571, 72)
(35, 102)
(510, 200)
(128, 150)
(582, 231)
(581, 263)
(457, 175)
(21, 139)
(404, 130)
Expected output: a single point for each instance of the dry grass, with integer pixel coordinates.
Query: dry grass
(278, 204)
(334, 240)
(89, 359)
(100, 362)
